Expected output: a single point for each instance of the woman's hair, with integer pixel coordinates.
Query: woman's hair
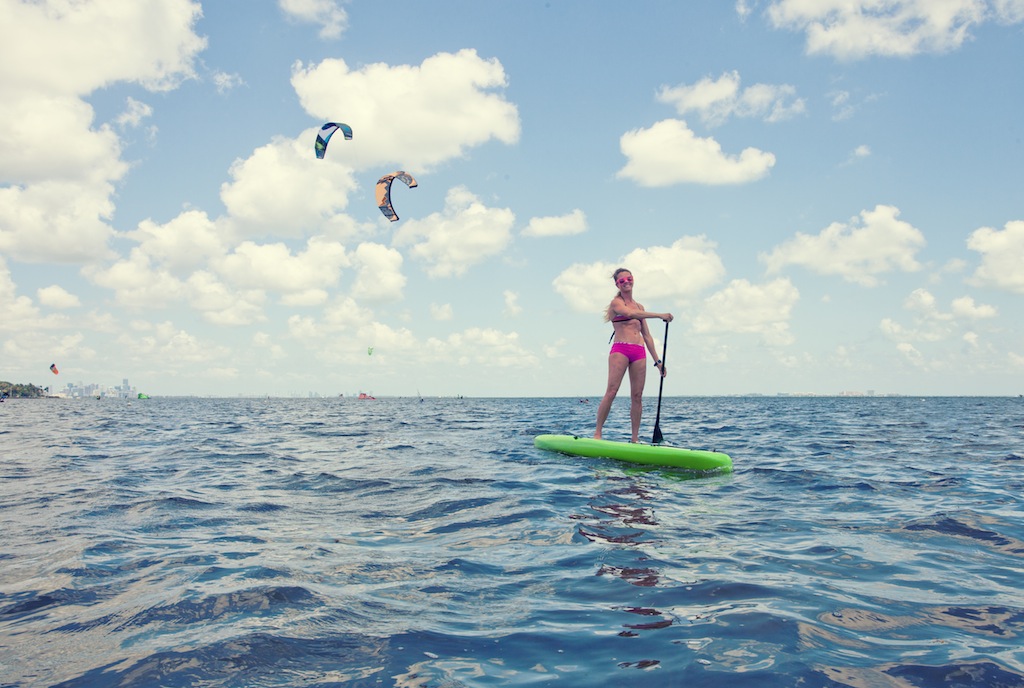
(615, 277)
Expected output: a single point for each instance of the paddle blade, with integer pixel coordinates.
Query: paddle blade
(658, 438)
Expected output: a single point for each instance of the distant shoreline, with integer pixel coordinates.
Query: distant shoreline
(580, 398)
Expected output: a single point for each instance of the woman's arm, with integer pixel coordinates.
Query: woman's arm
(649, 340)
(639, 313)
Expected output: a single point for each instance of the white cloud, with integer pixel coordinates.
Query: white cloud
(923, 302)
(965, 308)
(264, 340)
(852, 29)
(953, 266)
(74, 48)
(187, 261)
(231, 289)
(442, 311)
(172, 346)
(892, 329)
(340, 315)
(50, 137)
(841, 106)
(344, 314)
(186, 242)
(931, 324)
(282, 189)
(304, 328)
(411, 116)
(137, 284)
(379, 275)
(844, 106)
(745, 308)
(858, 153)
(1009, 11)
(911, 354)
(718, 100)
(1002, 255)
(360, 344)
(135, 111)
(274, 267)
(15, 311)
(346, 330)
(58, 205)
(664, 275)
(465, 233)
(512, 306)
(56, 221)
(327, 13)
(875, 243)
(561, 225)
(55, 296)
(305, 297)
(670, 153)
(483, 346)
(220, 305)
(225, 82)
(222, 372)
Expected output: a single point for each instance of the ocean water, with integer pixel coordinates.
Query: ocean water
(869, 542)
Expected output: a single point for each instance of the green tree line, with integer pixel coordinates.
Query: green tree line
(23, 391)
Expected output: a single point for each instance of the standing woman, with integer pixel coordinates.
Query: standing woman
(631, 334)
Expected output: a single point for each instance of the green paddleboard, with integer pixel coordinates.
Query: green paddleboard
(651, 454)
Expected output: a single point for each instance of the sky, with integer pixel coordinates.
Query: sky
(827, 196)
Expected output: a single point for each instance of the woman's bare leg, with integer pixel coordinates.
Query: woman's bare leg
(617, 364)
(637, 379)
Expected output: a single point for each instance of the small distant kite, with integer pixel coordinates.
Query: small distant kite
(325, 134)
(369, 351)
(384, 192)
(53, 368)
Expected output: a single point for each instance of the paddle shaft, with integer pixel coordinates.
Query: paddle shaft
(658, 438)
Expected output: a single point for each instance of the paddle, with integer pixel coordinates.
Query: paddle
(658, 438)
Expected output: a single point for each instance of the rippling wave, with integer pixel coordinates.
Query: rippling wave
(326, 542)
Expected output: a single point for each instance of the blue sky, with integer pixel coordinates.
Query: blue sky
(827, 195)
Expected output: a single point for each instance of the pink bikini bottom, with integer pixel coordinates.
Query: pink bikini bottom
(633, 352)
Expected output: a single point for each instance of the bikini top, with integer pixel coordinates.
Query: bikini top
(616, 319)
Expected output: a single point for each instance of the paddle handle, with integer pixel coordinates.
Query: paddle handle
(658, 438)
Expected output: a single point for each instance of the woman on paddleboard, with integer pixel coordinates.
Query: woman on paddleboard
(628, 318)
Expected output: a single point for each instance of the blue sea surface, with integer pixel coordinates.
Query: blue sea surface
(869, 542)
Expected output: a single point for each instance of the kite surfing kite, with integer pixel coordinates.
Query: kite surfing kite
(325, 134)
(53, 368)
(384, 192)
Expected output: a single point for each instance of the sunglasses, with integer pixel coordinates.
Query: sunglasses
(623, 280)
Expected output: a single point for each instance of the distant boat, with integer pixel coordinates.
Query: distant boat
(363, 395)
(143, 396)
